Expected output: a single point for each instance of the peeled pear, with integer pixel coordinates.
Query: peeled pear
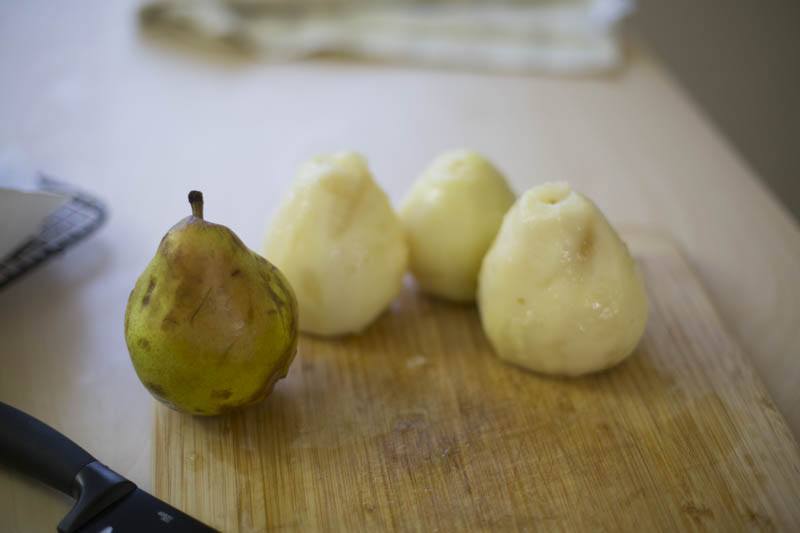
(559, 293)
(451, 217)
(210, 325)
(340, 244)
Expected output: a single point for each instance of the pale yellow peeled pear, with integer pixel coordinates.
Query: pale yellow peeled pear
(340, 244)
(559, 293)
(451, 217)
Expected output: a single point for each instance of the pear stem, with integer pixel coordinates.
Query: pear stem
(196, 201)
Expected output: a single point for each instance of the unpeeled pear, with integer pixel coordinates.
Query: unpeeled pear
(210, 325)
(559, 293)
(339, 243)
(451, 217)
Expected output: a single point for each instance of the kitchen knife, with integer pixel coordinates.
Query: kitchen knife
(105, 501)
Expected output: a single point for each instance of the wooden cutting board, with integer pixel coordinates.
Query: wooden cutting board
(416, 426)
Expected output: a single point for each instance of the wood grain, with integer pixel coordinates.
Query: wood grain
(416, 426)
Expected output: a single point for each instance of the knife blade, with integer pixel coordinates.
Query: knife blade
(138, 512)
(105, 501)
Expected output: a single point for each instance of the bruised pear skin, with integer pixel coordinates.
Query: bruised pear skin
(211, 326)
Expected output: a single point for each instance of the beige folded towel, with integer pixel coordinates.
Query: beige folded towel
(562, 36)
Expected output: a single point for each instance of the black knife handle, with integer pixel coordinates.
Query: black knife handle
(39, 451)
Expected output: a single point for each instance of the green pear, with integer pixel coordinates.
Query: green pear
(210, 325)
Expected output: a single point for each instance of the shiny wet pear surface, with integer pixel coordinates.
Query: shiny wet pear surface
(559, 292)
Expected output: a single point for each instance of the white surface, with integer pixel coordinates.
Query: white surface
(21, 214)
(22, 206)
(139, 125)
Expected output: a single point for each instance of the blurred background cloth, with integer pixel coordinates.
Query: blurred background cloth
(558, 36)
